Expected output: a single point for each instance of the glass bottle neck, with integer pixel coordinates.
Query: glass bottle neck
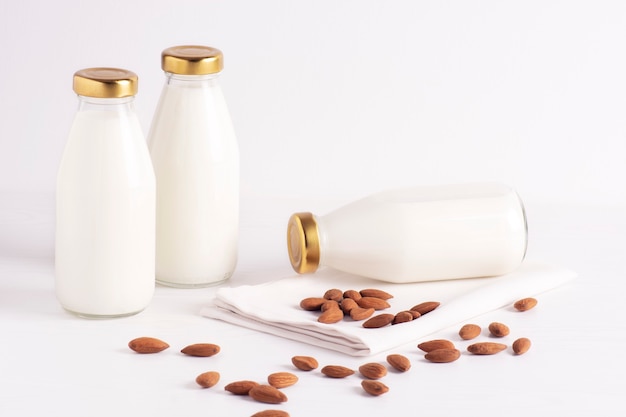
(189, 80)
(105, 104)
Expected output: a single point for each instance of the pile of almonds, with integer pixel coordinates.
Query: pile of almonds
(335, 304)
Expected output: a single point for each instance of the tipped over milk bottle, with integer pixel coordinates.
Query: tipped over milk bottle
(105, 202)
(416, 234)
(196, 161)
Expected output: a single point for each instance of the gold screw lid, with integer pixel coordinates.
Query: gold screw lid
(303, 243)
(192, 60)
(105, 82)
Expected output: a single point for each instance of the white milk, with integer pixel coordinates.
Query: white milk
(196, 161)
(416, 234)
(105, 214)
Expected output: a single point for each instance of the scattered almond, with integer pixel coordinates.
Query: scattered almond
(312, 303)
(374, 387)
(201, 349)
(271, 413)
(399, 362)
(525, 304)
(329, 304)
(373, 302)
(443, 355)
(337, 371)
(426, 307)
(282, 379)
(352, 294)
(380, 320)
(371, 292)
(435, 344)
(208, 379)
(332, 315)
(304, 363)
(334, 294)
(240, 387)
(147, 345)
(267, 394)
(347, 305)
(359, 313)
(486, 348)
(470, 331)
(373, 370)
(402, 317)
(499, 329)
(521, 345)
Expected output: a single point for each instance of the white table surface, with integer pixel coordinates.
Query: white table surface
(54, 364)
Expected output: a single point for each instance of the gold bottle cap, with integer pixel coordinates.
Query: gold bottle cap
(192, 60)
(303, 243)
(105, 82)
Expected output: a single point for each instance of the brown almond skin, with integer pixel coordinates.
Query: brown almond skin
(267, 394)
(208, 379)
(373, 302)
(373, 370)
(359, 313)
(352, 294)
(470, 331)
(399, 362)
(499, 329)
(312, 303)
(334, 294)
(435, 344)
(486, 348)
(304, 363)
(271, 413)
(328, 305)
(332, 315)
(372, 292)
(347, 305)
(147, 345)
(375, 388)
(525, 304)
(521, 345)
(282, 379)
(241, 387)
(402, 317)
(201, 349)
(443, 355)
(378, 321)
(336, 371)
(426, 307)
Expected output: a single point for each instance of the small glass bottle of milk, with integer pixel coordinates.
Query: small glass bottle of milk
(416, 234)
(196, 161)
(105, 202)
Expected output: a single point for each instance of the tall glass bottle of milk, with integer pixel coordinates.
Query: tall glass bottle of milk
(106, 202)
(196, 161)
(416, 234)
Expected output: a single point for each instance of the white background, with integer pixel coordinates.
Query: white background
(331, 100)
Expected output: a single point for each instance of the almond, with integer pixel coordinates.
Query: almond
(334, 294)
(282, 379)
(147, 345)
(486, 348)
(521, 345)
(380, 320)
(208, 379)
(415, 314)
(373, 370)
(443, 355)
(267, 394)
(402, 317)
(373, 302)
(347, 305)
(525, 304)
(359, 313)
(337, 371)
(371, 292)
(399, 362)
(240, 387)
(435, 344)
(201, 349)
(426, 307)
(312, 303)
(352, 294)
(469, 331)
(304, 363)
(332, 315)
(329, 305)
(374, 387)
(499, 329)
(271, 413)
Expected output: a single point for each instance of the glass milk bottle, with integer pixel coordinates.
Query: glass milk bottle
(415, 234)
(196, 161)
(105, 202)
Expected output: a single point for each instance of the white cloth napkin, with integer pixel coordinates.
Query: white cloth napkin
(274, 307)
